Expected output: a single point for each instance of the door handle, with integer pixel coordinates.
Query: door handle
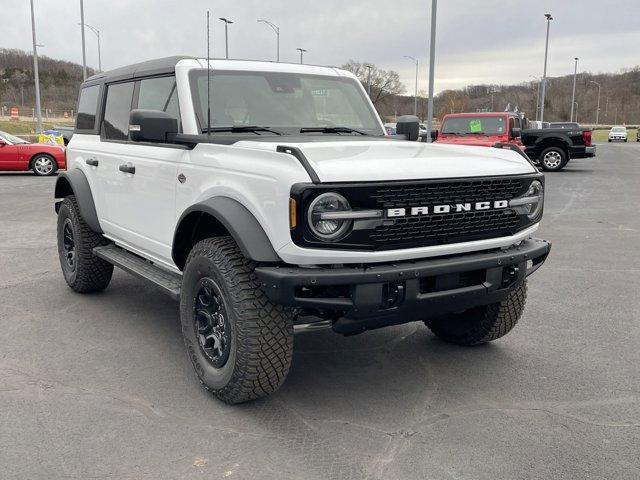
(91, 161)
(127, 168)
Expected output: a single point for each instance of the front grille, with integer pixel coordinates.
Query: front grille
(423, 230)
(446, 228)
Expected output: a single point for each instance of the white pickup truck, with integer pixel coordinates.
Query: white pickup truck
(267, 199)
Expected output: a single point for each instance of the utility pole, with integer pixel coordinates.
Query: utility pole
(576, 111)
(544, 74)
(432, 61)
(35, 71)
(366, 65)
(226, 36)
(573, 95)
(598, 107)
(84, 54)
(415, 97)
(301, 50)
(276, 29)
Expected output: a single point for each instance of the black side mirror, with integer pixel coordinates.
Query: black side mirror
(516, 133)
(409, 126)
(2, 143)
(434, 135)
(151, 126)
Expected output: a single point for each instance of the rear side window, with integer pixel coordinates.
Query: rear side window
(117, 110)
(87, 107)
(159, 94)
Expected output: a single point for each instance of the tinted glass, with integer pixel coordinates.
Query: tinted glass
(117, 110)
(474, 125)
(87, 107)
(159, 94)
(286, 101)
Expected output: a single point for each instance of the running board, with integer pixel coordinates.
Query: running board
(166, 281)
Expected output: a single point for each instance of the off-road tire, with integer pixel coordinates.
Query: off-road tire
(90, 273)
(563, 159)
(38, 170)
(482, 324)
(261, 345)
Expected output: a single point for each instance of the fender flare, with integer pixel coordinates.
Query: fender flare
(74, 182)
(239, 222)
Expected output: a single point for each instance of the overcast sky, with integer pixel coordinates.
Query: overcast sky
(478, 42)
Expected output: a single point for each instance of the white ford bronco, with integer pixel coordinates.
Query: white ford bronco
(267, 199)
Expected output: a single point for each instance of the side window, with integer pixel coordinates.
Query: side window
(87, 107)
(117, 110)
(159, 94)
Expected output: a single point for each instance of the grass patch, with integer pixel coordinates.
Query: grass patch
(603, 135)
(22, 127)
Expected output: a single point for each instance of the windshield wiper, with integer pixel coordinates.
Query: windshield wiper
(331, 130)
(241, 129)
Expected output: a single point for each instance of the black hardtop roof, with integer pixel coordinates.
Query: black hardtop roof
(157, 66)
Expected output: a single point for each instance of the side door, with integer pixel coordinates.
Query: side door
(8, 155)
(142, 176)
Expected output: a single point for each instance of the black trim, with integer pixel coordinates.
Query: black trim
(371, 296)
(296, 152)
(80, 188)
(239, 222)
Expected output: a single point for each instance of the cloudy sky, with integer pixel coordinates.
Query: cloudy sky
(488, 41)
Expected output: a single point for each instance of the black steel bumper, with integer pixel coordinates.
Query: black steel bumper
(366, 297)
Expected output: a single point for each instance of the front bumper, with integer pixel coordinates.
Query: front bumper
(364, 297)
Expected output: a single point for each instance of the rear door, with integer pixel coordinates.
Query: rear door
(141, 181)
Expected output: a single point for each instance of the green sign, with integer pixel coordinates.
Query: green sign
(475, 126)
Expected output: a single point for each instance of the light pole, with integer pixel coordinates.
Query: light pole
(301, 50)
(576, 104)
(35, 71)
(277, 30)
(97, 32)
(432, 60)
(415, 97)
(226, 36)
(84, 54)
(573, 94)
(544, 74)
(598, 107)
(366, 65)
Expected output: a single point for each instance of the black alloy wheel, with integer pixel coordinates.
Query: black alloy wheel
(211, 323)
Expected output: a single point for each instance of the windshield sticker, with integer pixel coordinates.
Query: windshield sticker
(475, 126)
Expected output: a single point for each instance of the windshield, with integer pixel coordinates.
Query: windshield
(618, 129)
(285, 102)
(468, 125)
(11, 138)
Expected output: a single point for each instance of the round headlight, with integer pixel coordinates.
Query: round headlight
(328, 229)
(535, 191)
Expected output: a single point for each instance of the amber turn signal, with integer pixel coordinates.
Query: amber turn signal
(293, 214)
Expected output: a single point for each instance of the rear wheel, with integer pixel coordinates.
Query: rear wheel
(82, 270)
(44, 165)
(239, 342)
(482, 324)
(553, 159)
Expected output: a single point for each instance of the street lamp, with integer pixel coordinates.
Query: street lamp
(544, 74)
(226, 36)
(276, 29)
(35, 72)
(301, 50)
(573, 95)
(97, 32)
(415, 97)
(366, 65)
(598, 107)
(432, 60)
(84, 55)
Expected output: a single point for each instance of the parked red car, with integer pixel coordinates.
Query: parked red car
(19, 155)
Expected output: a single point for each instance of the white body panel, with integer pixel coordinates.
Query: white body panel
(141, 211)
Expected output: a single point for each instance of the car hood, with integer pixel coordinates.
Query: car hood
(380, 160)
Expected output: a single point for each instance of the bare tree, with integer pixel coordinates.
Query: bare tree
(384, 83)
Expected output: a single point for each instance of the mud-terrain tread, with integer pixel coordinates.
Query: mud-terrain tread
(485, 323)
(264, 331)
(93, 274)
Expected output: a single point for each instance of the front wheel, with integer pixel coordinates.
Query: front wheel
(553, 159)
(44, 165)
(482, 324)
(239, 342)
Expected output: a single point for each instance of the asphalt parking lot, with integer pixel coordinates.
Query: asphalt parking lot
(99, 386)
